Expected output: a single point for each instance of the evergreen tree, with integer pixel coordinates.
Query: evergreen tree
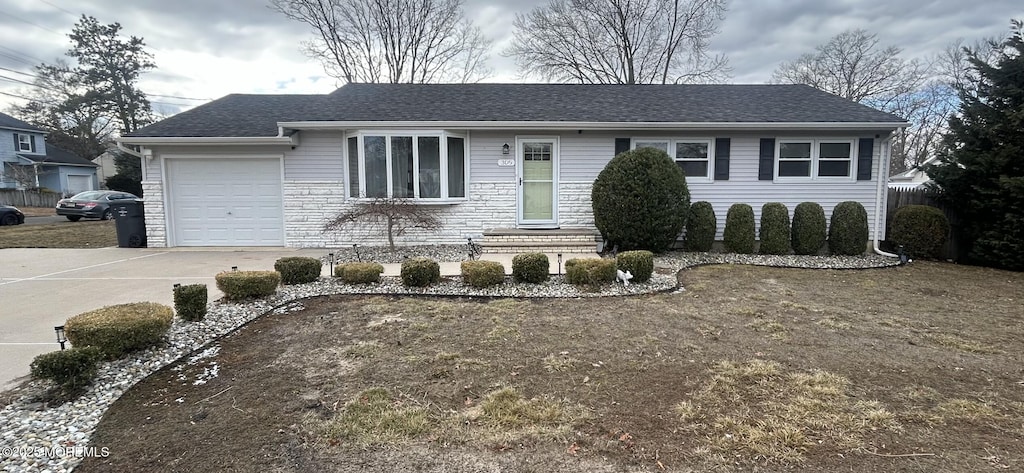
(982, 171)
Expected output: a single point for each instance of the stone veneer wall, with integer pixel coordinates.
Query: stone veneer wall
(308, 205)
(153, 206)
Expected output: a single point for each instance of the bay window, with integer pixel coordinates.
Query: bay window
(407, 165)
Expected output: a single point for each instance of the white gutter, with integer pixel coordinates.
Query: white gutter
(556, 125)
(885, 154)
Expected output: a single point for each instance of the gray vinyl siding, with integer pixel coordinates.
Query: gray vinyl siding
(7, 149)
(582, 156)
(319, 157)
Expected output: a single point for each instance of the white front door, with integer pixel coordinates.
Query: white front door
(537, 173)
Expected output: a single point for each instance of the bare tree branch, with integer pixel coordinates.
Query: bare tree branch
(620, 41)
(390, 217)
(391, 41)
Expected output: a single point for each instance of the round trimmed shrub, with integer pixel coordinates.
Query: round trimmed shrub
(482, 273)
(420, 272)
(848, 229)
(530, 267)
(71, 369)
(298, 269)
(739, 229)
(358, 272)
(774, 233)
(921, 229)
(119, 329)
(640, 200)
(639, 263)
(701, 227)
(808, 228)
(190, 301)
(590, 271)
(247, 284)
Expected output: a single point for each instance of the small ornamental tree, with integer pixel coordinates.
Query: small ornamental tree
(701, 227)
(739, 229)
(774, 234)
(808, 228)
(641, 201)
(848, 229)
(387, 216)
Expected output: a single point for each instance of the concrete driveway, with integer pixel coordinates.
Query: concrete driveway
(41, 288)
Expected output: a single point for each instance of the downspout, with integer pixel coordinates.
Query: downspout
(885, 152)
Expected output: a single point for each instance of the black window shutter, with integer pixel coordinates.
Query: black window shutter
(766, 164)
(17, 144)
(865, 150)
(32, 138)
(722, 159)
(621, 145)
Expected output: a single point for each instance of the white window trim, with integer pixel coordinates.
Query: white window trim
(443, 136)
(815, 156)
(24, 140)
(672, 142)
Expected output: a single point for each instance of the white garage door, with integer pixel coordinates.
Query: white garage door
(79, 183)
(225, 202)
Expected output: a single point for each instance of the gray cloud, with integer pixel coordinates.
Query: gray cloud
(756, 35)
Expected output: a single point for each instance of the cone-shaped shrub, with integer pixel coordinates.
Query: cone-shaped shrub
(808, 228)
(739, 229)
(774, 233)
(701, 227)
(848, 229)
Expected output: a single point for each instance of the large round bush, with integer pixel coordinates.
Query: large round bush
(701, 227)
(808, 228)
(774, 229)
(641, 200)
(739, 229)
(921, 229)
(119, 329)
(848, 229)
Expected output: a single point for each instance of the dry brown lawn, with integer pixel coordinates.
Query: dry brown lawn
(81, 234)
(914, 369)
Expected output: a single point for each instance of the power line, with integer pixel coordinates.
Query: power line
(59, 8)
(177, 97)
(37, 25)
(19, 72)
(17, 80)
(19, 56)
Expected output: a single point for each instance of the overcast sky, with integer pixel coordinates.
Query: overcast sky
(205, 49)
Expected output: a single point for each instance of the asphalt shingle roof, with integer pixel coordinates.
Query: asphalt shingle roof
(258, 115)
(7, 121)
(55, 155)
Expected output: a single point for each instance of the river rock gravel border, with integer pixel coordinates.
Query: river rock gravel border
(34, 437)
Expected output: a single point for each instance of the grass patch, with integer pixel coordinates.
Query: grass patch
(374, 417)
(559, 363)
(363, 349)
(82, 234)
(834, 324)
(958, 343)
(505, 415)
(965, 409)
(758, 413)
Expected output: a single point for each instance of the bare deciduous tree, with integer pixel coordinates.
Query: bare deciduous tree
(620, 41)
(392, 41)
(389, 216)
(26, 176)
(855, 66)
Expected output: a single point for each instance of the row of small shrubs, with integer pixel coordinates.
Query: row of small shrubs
(847, 233)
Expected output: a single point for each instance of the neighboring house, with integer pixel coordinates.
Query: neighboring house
(270, 170)
(106, 167)
(913, 178)
(29, 162)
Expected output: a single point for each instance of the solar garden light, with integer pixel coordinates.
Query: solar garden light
(234, 268)
(903, 255)
(61, 337)
(330, 257)
(559, 264)
(355, 249)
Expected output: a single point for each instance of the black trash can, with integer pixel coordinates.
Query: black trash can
(130, 219)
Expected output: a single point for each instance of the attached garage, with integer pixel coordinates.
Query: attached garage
(225, 201)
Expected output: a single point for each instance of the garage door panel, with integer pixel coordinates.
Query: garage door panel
(226, 202)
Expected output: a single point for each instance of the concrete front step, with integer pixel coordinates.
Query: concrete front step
(562, 240)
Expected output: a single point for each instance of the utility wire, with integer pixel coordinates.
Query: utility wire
(76, 15)
(37, 25)
(16, 80)
(19, 72)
